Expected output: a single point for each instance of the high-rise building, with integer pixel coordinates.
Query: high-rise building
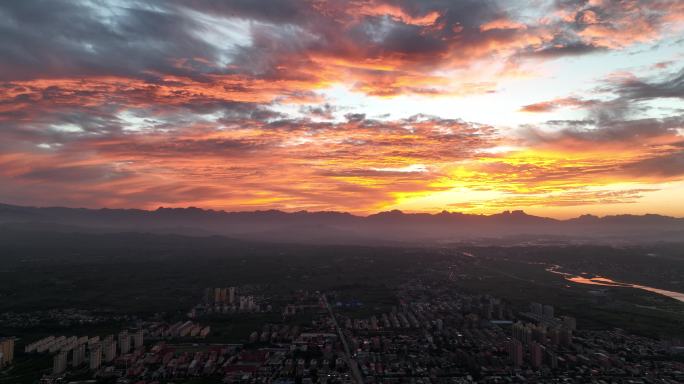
(539, 333)
(37, 346)
(515, 351)
(108, 349)
(95, 356)
(59, 363)
(124, 342)
(554, 336)
(204, 332)
(57, 344)
(537, 309)
(231, 295)
(217, 296)
(522, 332)
(548, 312)
(6, 351)
(78, 355)
(70, 343)
(552, 359)
(138, 339)
(536, 355)
(247, 303)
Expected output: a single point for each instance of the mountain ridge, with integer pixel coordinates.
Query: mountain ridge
(334, 226)
(516, 212)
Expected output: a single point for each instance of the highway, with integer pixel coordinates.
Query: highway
(356, 373)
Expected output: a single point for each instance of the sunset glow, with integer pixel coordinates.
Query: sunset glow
(559, 108)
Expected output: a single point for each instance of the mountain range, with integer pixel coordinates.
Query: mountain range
(340, 227)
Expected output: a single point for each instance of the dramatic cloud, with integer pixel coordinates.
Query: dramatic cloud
(289, 163)
(630, 87)
(617, 24)
(353, 105)
(670, 165)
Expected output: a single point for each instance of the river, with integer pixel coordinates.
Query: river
(606, 282)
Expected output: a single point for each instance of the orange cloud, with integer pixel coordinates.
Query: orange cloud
(360, 165)
(366, 8)
(295, 164)
(502, 23)
(552, 105)
(181, 118)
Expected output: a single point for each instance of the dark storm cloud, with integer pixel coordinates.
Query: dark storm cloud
(150, 40)
(641, 131)
(557, 50)
(71, 38)
(633, 88)
(630, 96)
(74, 174)
(669, 165)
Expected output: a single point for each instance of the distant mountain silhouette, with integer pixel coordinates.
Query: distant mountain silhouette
(341, 227)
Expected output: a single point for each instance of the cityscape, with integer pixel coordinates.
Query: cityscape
(429, 326)
(342, 191)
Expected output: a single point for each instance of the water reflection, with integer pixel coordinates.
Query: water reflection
(606, 282)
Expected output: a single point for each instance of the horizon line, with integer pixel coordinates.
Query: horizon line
(294, 211)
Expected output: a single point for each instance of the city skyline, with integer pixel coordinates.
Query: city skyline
(559, 108)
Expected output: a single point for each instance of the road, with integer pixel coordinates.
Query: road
(356, 373)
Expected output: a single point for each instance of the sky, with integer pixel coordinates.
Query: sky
(556, 107)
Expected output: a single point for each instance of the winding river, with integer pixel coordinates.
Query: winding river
(606, 282)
